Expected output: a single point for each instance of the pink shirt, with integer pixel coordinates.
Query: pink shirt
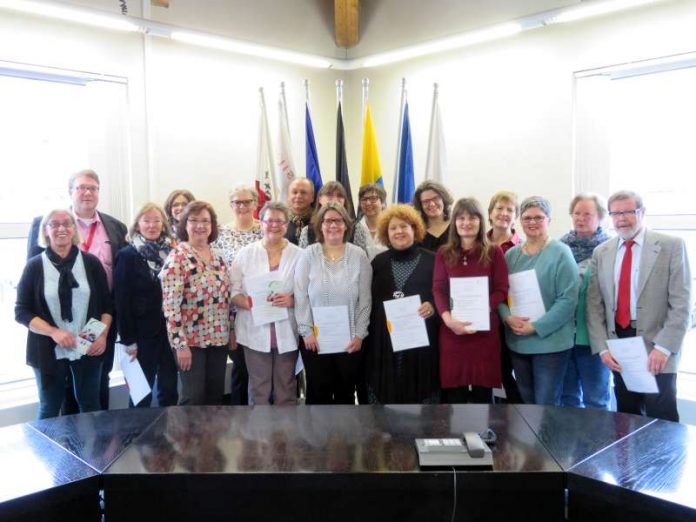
(100, 247)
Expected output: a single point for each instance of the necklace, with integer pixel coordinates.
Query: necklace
(527, 251)
(333, 256)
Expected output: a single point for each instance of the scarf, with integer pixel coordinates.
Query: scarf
(300, 221)
(66, 280)
(582, 247)
(153, 252)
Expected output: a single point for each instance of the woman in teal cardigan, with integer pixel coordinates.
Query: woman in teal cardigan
(541, 347)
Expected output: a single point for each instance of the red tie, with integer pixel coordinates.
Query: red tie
(623, 302)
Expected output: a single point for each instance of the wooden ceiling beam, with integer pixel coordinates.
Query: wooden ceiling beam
(346, 15)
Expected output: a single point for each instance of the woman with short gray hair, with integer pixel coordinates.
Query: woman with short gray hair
(541, 345)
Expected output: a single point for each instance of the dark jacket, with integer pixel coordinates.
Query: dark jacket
(138, 298)
(31, 303)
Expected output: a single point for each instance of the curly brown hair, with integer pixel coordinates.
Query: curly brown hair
(405, 213)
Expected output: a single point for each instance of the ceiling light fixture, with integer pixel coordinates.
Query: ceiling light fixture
(250, 49)
(592, 9)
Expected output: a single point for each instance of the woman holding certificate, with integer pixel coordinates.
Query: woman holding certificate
(332, 308)
(400, 368)
(469, 283)
(61, 290)
(197, 307)
(541, 309)
(262, 287)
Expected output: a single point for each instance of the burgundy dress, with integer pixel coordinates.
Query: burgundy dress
(470, 359)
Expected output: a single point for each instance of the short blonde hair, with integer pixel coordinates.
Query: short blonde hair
(44, 240)
(405, 213)
(504, 195)
(148, 207)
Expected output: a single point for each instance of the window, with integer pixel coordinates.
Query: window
(53, 123)
(635, 128)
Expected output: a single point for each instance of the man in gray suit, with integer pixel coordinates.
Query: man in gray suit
(640, 286)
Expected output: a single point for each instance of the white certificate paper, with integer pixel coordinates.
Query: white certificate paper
(260, 287)
(138, 388)
(470, 301)
(406, 328)
(631, 355)
(525, 295)
(331, 328)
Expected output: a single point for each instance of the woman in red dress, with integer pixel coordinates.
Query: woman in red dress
(469, 359)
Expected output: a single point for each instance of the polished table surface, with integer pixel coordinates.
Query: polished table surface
(346, 462)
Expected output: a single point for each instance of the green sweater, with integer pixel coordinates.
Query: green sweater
(558, 278)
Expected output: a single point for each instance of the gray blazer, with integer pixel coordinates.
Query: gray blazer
(664, 295)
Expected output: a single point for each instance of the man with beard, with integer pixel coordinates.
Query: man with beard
(640, 286)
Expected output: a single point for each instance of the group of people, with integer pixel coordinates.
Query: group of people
(183, 293)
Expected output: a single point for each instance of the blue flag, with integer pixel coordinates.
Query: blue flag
(406, 183)
(313, 172)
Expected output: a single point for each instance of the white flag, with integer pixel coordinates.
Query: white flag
(264, 160)
(285, 166)
(436, 164)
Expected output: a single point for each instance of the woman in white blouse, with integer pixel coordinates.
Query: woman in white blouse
(270, 346)
(332, 273)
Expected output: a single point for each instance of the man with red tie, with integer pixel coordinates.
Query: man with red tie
(640, 286)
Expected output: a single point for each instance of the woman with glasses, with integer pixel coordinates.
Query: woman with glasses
(337, 274)
(174, 206)
(197, 307)
(138, 302)
(404, 270)
(540, 346)
(262, 275)
(61, 290)
(469, 353)
(332, 192)
(242, 231)
(433, 201)
(373, 200)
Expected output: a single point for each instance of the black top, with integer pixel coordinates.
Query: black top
(409, 376)
(137, 298)
(32, 303)
(432, 243)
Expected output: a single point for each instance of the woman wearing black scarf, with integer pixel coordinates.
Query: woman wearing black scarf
(138, 297)
(409, 376)
(60, 290)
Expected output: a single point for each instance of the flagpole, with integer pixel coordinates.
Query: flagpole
(395, 192)
(285, 106)
(271, 159)
(432, 125)
(339, 93)
(365, 89)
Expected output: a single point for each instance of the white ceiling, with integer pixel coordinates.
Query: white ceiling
(308, 26)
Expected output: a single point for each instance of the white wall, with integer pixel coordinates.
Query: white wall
(508, 106)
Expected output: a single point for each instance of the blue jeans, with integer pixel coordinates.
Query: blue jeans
(540, 376)
(86, 376)
(586, 383)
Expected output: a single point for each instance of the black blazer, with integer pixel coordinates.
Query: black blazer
(138, 298)
(115, 231)
(31, 303)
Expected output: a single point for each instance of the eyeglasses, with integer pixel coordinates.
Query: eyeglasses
(87, 188)
(533, 219)
(275, 222)
(333, 222)
(369, 199)
(432, 201)
(57, 224)
(625, 213)
(204, 222)
(242, 202)
(179, 204)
